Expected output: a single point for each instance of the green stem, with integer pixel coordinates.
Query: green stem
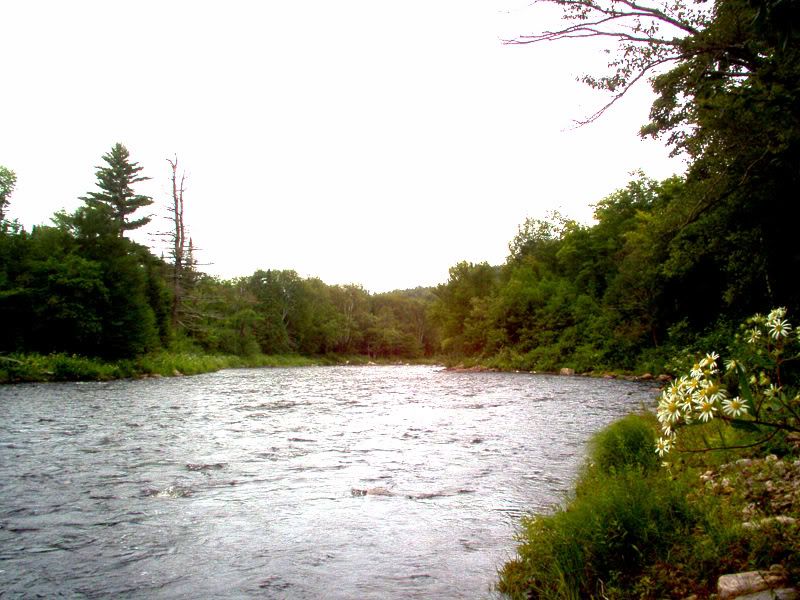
(738, 447)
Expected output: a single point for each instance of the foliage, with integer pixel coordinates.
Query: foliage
(278, 312)
(458, 304)
(589, 298)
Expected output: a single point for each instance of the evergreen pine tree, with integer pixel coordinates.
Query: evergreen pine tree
(117, 199)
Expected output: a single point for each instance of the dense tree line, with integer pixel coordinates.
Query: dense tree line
(80, 286)
(279, 312)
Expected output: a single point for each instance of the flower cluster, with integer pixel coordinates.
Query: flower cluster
(774, 327)
(701, 395)
(694, 397)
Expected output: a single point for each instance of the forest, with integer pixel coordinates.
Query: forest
(79, 286)
(665, 268)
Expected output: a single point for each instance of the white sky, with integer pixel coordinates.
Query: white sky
(359, 141)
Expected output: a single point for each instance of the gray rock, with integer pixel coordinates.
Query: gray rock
(742, 584)
(781, 519)
(373, 491)
(781, 594)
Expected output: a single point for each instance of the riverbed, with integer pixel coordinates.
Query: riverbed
(322, 482)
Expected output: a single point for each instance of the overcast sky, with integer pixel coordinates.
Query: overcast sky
(359, 141)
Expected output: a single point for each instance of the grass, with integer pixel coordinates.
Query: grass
(632, 529)
(19, 368)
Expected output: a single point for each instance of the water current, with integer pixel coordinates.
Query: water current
(330, 482)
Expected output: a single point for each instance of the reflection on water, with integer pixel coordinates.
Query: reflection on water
(248, 483)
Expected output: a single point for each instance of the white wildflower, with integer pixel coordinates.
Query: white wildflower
(734, 407)
(779, 328)
(663, 445)
(706, 408)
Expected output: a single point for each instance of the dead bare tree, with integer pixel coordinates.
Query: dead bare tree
(178, 235)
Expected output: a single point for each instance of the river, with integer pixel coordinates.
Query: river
(247, 483)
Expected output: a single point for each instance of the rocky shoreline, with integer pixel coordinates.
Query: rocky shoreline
(766, 491)
(565, 371)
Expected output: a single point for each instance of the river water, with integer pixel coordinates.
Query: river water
(247, 483)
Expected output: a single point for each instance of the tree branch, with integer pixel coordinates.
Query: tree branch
(628, 85)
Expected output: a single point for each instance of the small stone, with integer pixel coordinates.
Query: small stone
(771, 458)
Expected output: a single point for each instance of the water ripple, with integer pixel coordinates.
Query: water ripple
(243, 483)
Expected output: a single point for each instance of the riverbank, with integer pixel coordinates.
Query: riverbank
(632, 528)
(27, 368)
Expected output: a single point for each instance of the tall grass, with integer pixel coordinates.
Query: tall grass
(182, 360)
(57, 367)
(64, 367)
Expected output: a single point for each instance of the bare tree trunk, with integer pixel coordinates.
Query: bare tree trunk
(179, 241)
